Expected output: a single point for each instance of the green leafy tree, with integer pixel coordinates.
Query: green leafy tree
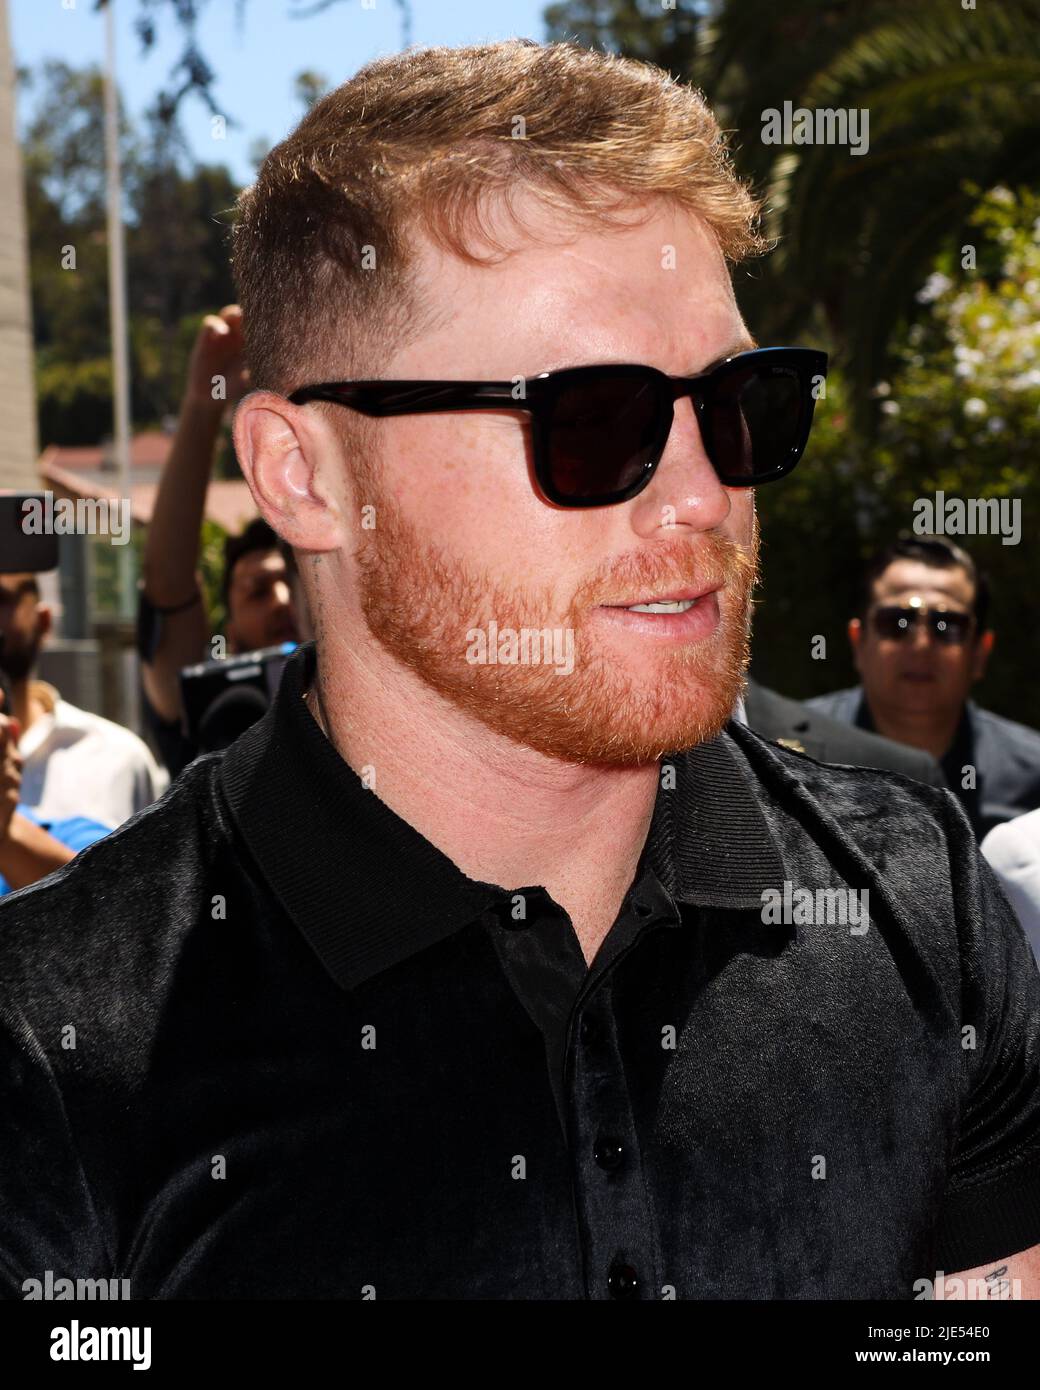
(641, 29)
(952, 97)
(177, 258)
(192, 74)
(959, 414)
(952, 102)
(309, 86)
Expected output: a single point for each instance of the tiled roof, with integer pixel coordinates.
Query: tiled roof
(80, 472)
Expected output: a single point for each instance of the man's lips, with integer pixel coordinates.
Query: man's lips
(671, 596)
(694, 624)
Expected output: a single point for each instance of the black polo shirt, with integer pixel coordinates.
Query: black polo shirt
(265, 1040)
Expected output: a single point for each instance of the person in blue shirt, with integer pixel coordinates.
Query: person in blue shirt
(31, 847)
(23, 852)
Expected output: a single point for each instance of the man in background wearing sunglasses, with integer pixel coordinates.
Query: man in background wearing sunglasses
(461, 974)
(920, 644)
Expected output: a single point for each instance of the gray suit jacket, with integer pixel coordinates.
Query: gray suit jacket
(807, 730)
(1005, 756)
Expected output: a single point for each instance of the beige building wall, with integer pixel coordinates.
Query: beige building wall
(18, 450)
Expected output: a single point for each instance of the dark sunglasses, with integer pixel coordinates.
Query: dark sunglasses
(599, 432)
(898, 623)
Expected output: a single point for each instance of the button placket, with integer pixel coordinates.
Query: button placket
(616, 1223)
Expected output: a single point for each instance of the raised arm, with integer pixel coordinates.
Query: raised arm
(171, 582)
(27, 851)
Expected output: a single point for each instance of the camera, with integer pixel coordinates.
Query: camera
(221, 699)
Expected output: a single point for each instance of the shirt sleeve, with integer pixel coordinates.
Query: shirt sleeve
(77, 832)
(991, 1207)
(1012, 851)
(131, 784)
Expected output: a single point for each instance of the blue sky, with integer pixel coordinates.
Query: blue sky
(256, 61)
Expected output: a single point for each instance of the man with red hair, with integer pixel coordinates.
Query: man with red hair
(471, 971)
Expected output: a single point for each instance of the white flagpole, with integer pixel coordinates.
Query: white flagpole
(117, 297)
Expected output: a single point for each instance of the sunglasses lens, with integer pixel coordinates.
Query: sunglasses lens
(604, 432)
(753, 423)
(951, 628)
(893, 623)
(948, 628)
(607, 428)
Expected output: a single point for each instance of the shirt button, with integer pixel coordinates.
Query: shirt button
(643, 909)
(609, 1153)
(622, 1281)
(590, 1031)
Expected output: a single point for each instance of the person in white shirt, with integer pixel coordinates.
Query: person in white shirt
(1013, 852)
(73, 763)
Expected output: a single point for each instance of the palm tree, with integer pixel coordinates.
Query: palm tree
(954, 107)
(636, 28)
(953, 97)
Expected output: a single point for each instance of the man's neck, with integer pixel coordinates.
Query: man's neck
(932, 731)
(503, 813)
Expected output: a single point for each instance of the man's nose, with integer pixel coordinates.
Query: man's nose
(685, 489)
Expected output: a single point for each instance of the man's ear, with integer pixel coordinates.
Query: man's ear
(44, 619)
(280, 447)
(980, 656)
(855, 631)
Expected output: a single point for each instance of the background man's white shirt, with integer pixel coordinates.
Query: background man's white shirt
(1013, 851)
(78, 764)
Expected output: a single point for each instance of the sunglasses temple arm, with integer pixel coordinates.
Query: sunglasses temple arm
(414, 397)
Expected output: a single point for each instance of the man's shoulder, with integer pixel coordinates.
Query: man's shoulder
(129, 888)
(855, 799)
(829, 740)
(838, 704)
(908, 844)
(1019, 737)
(68, 716)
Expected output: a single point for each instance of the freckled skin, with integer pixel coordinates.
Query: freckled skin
(455, 495)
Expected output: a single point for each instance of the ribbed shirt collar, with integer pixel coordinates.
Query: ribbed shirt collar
(367, 890)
